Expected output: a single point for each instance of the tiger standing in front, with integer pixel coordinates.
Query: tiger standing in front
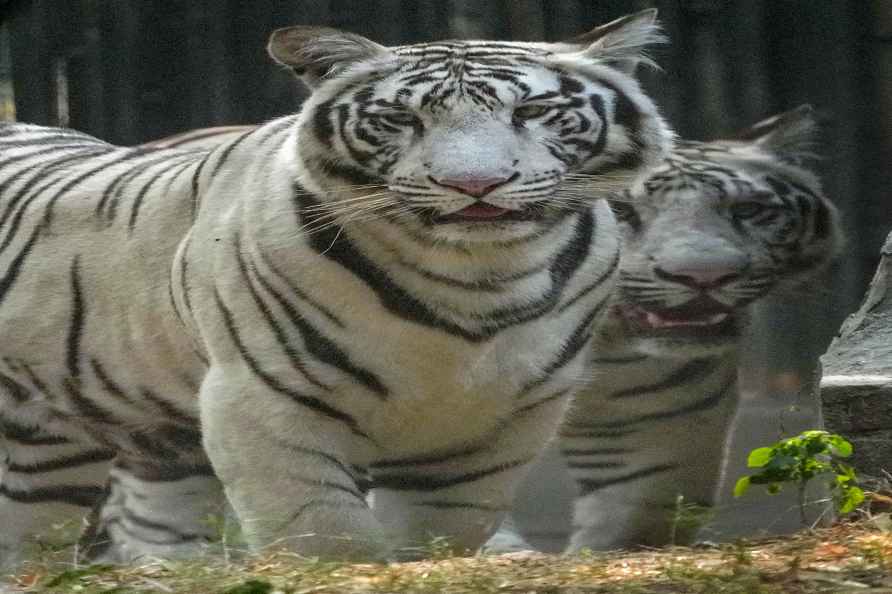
(386, 289)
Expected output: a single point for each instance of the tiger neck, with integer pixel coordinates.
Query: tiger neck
(625, 364)
(473, 291)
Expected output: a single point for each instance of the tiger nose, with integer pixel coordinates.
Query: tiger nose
(472, 186)
(702, 275)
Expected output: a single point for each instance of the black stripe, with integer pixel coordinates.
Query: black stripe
(692, 371)
(81, 496)
(184, 283)
(594, 465)
(118, 184)
(300, 293)
(318, 345)
(577, 431)
(614, 263)
(12, 431)
(580, 337)
(566, 264)
(407, 482)
(226, 152)
(15, 267)
(427, 460)
(42, 174)
(164, 471)
(619, 360)
(192, 137)
(318, 503)
(85, 407)
(167, 409)
(143, 191)
(336, 246)
(76, 326)
(534, 405)
(274, 384)
(73, 461)
(178, 539)
(18, 392)
(588, 486)
(195, 188)
(107, 383)
(697, 406)
(49, 208)
(147, 524)
(596, 452)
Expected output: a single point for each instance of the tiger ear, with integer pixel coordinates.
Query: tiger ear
(622, 42)
(317, 52)
(791, 134)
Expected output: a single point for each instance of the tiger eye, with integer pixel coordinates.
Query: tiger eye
(400, 118)
(529, 112)
(748, 210)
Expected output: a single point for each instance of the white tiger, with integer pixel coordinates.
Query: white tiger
(388, 287)
(716, 227)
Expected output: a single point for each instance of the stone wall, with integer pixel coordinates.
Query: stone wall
(856, 388)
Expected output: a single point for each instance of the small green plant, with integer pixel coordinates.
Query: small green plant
(685, 519)
(800, 459)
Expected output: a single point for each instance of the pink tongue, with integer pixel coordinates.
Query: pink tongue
(657, 321)
(482, 211)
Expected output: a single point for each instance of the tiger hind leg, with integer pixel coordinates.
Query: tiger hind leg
(51, 473)
(155, 508)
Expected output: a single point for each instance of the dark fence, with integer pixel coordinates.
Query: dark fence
(133, 70)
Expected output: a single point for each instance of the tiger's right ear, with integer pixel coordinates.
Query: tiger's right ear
(791, 134)
(621, 42)
(318, 52)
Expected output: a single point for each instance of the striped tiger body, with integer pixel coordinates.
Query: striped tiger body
(394, 288)
(200, 139)
(717, 227)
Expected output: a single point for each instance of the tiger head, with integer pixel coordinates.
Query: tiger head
(715, 227)
(470, 140)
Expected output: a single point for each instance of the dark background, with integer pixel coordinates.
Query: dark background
(133, 70)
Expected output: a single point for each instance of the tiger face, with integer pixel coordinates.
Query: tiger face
(714, 228)
(469, 140)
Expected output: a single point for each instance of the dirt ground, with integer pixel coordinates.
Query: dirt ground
(847, 558)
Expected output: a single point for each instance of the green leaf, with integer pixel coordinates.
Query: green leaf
(841, 447)
(741, 486)
(852, 497)
(760, 457)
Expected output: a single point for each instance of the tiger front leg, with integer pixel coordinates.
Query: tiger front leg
(460, 498)
(282, 460)
(650, 479)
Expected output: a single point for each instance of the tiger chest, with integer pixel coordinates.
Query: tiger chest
(444, 390)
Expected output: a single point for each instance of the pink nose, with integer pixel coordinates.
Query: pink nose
(701, 277)
(472, 186)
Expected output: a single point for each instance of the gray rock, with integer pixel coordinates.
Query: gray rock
(856, 388)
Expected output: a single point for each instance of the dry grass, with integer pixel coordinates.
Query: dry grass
(852, 557)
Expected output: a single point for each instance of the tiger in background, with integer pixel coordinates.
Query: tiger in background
(395, 287)
(716, 227)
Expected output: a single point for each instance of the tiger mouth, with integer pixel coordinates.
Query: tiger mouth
(700, 316)
(482, 212)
